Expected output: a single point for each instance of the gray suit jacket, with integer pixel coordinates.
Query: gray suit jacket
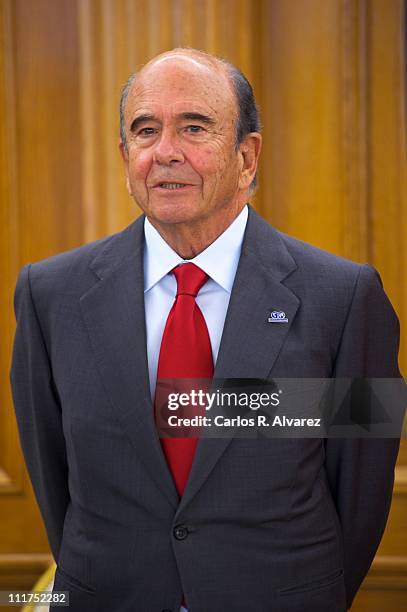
(267, 525)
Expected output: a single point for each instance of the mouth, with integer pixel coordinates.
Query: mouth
(171, 186)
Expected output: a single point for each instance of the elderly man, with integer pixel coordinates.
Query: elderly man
(193, 289)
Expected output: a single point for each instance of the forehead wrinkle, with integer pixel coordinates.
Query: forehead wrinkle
(211, 66)
(146, 90)
(183, 109)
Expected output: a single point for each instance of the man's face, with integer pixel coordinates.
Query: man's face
(182, 163)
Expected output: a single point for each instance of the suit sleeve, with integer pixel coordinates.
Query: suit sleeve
(38, 414)
(361, 471)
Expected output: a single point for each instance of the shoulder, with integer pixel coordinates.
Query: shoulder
(57, 283)
(313, 265)
(68, 262)
(74, 270)
(332, 274)
(336, 281)
(320, 279)
(316, 259)
(324, 270)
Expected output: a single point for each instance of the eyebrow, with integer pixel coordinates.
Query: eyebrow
(139, 120)
(191, 116)
(197, 117)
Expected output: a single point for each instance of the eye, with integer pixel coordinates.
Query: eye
(146, 131)
(194, 129)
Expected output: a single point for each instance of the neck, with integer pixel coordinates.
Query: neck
(190, 239)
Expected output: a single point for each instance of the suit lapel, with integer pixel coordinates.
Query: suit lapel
(250, 343)
(113, 310)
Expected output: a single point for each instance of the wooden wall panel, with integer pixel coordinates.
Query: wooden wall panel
(300, 175)
(330, 81)
(40, 214)
(10, 471)
(387, 180)
(47, 121)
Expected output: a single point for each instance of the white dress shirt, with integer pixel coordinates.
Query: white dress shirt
(219, 261)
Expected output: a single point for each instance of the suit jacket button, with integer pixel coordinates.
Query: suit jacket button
(180, 532)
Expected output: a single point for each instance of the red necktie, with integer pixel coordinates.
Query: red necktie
(185, 353)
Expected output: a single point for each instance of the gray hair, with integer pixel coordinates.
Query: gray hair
(248, 112)
(123, 100)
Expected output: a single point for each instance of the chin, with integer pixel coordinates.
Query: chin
(173, 213)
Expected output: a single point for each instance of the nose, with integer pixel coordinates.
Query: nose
(167, 150)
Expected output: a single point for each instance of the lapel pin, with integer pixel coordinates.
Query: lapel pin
(277, 316)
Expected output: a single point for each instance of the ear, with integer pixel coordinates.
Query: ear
(249, 149)
(125, 158)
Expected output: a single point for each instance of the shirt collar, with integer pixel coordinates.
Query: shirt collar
(219, 260)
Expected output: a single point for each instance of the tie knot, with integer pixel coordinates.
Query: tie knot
(190, 279)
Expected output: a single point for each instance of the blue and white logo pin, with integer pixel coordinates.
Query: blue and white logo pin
(277, 316)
